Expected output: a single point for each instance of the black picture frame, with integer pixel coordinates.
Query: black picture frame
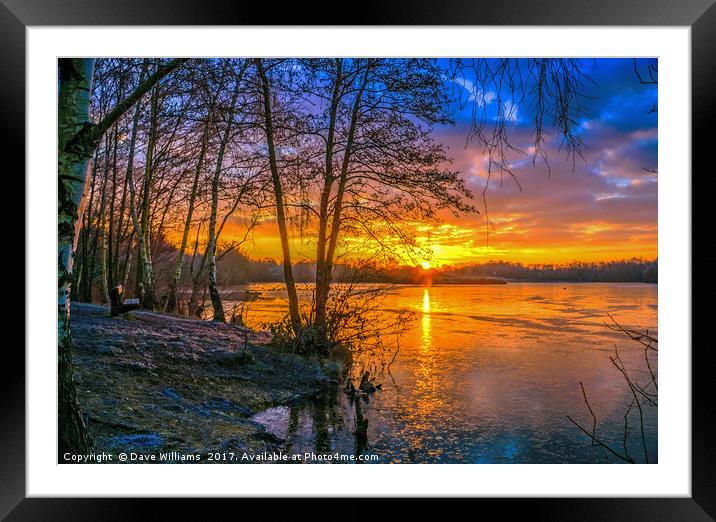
(700, 15)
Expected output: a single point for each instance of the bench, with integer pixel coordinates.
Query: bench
(118, 305)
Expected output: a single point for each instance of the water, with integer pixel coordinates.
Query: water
(488, 374)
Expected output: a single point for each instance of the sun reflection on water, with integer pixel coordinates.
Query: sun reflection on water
(428, 399)
(425, 322)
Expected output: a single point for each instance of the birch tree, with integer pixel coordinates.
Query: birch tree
(211, 248)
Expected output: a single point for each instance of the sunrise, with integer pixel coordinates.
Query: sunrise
(341, 260)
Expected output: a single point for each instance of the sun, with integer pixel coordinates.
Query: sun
(426, 265)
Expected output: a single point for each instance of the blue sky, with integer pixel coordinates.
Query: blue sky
(604, 207)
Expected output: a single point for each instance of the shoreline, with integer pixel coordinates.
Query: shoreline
(155, 383)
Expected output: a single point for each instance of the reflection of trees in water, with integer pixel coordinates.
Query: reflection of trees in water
(293, 423)
(321, 412)
(329, 414)
(326, 416)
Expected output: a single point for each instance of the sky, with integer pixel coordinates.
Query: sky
(604, 208)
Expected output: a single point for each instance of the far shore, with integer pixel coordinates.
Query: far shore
(238, 292)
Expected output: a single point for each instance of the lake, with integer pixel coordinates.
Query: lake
(488, 374)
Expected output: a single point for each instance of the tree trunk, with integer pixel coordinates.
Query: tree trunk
(85, 287)
(111, 268)
(197, 275)
(211, 247)
(121, 228)
(324, 277)
(174, 281)
(197, 283)
(278, 194)
(148, 298)
(105, 215)
(127, 260)
(319, 299)
(73, 161)
(145, 280)
(99, 237)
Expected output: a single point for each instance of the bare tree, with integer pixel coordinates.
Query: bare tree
(226, 136)
(266, 94)
(381, 169)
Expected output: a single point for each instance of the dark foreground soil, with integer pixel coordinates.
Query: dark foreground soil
(152, 383)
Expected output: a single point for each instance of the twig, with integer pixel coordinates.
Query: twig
(638, 404)
(602, 444)
(648, 342)
(594, 417)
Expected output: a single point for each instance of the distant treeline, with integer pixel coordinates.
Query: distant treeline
(631, 270)
(239, 269)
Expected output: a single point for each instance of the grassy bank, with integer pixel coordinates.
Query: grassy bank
(150, 383)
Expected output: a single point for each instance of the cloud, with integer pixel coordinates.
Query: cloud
(479, 96)
(510, 110)
(603, 208)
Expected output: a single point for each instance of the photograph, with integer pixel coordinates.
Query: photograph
(358, 260)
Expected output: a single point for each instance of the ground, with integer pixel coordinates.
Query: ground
(151, 383)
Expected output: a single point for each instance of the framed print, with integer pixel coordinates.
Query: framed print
(429, 242)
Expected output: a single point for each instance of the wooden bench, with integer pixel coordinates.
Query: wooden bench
(118, 305)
